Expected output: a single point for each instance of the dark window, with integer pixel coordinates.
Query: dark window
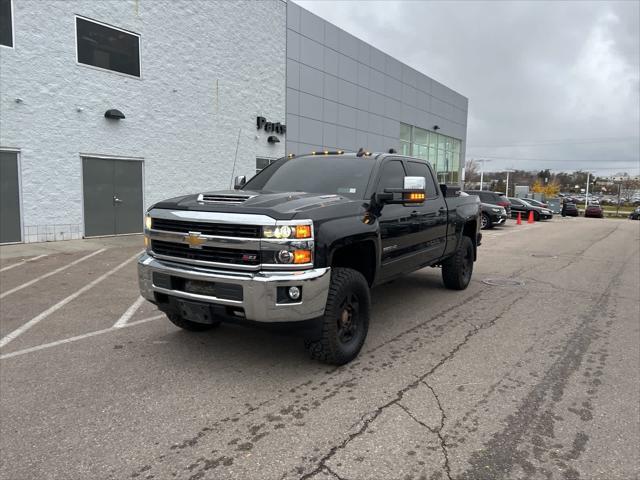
(109, 48)
(392, 175)
(262, 163)
(417, 169)
(516, 202)
(315, 174)
(6, 23)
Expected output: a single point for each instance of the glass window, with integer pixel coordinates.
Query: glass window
(392, 175)
(108, 48)
(405, 148)
(420, 136)
(6, 23)
(421, 170)
(433, 140)
(420, 151)
(263, 163)
(405, 132)
(442, 162)
(316, 174)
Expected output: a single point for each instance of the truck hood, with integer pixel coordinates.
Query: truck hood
(281, 206)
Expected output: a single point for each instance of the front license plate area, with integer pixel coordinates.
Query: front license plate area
(196, 312)
(200, 287)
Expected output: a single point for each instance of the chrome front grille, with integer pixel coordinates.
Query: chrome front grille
(218, 255)
(206, 228)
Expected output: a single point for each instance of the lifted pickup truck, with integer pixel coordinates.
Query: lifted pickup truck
(302, 243)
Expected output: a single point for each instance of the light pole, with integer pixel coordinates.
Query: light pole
(506, 190)
(482, 171)
(586, 196)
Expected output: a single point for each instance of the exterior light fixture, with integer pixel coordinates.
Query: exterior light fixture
(114, 114)
(273, 139)
(436, 127)
(392, 150)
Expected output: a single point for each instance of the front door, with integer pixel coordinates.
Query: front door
(113, 202)
(10, 230)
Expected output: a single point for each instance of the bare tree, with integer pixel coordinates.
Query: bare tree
(471, 173)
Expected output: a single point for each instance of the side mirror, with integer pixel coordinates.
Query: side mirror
(412, 193)
(239, 182)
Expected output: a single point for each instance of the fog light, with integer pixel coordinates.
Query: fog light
(294, 293)
(285, 256)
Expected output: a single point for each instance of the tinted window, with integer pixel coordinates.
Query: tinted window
(6, 23)
(109, 48)
(392, 175)
(417, 169)
(322, 174)
(516, 202)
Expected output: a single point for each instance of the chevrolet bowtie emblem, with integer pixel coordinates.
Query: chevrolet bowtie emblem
(194, 240)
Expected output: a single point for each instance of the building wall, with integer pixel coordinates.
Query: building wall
(344, 93)
(208, 69)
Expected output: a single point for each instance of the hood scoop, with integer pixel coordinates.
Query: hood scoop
(223, 198)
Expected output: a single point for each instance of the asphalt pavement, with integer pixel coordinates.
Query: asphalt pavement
(530, 373)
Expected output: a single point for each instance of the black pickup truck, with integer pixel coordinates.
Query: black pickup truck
(301, 244)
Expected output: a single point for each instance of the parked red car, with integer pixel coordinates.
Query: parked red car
(594, 211)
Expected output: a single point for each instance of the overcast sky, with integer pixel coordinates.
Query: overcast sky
(559, 79)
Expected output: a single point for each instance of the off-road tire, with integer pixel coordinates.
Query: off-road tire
(486, 221)
(185, 324)
(457, 270)
(331, 347)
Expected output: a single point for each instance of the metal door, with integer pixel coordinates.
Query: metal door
(112, 196)
(127, 196)
(10, 230)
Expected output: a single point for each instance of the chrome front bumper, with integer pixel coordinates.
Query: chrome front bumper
(259, 289)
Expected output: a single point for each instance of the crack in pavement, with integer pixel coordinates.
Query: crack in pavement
(501, 452)
(372, 416)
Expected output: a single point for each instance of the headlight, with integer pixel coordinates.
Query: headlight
(287, 231)
(497, 210)
(147, 222)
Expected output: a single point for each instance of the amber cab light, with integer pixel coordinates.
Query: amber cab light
(302, 256)
(303, 231)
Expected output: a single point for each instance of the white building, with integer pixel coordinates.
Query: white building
(191, 79)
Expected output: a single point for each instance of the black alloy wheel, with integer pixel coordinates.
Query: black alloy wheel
(345, 322)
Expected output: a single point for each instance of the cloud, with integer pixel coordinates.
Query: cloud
(560, 79)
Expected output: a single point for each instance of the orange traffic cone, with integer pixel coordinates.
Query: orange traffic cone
(530, 217)
(519, 222)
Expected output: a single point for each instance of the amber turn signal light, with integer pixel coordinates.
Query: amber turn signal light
(302, 256)
(415, 197)
(303, 231)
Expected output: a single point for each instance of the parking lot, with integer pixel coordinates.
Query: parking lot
(532, 372)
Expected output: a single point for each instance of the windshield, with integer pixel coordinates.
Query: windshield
(340, 175)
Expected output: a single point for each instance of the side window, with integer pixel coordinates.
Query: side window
(392, 175)
(418, 169)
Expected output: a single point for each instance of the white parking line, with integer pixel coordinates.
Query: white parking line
(76, 338)
(20, 330)
(57, 270)
(126, 316)
(4, 269)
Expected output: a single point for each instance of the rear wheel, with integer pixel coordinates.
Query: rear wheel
(457, 270)
(345, 322)
(185, 324)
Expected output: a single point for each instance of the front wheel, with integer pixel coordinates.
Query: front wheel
(345, 322)
(457, 270)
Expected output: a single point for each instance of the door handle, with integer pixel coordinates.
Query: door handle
(116, 200)
(442, 210)
(415, 213)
